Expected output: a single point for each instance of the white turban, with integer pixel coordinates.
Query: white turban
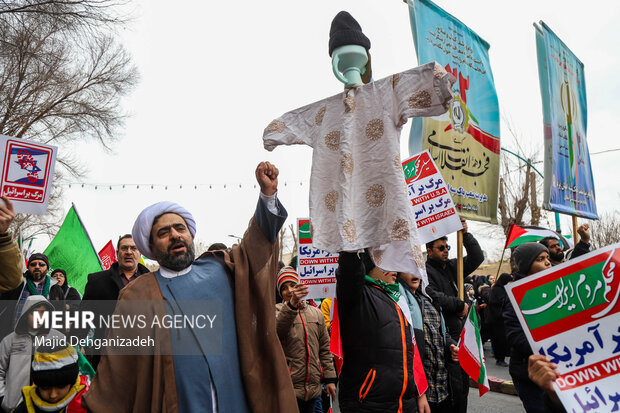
(141, 231)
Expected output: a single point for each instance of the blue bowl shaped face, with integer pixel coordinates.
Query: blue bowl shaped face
(347, 64)
(350, 56)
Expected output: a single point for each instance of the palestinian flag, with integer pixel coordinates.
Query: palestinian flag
(520, 235)
(471, 353)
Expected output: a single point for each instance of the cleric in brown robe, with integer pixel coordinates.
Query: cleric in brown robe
(248, 373)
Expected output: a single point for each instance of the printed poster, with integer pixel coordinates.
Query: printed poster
(27, 174)
(569, 185)
(433, 209)
(464, 142)
(571, 313)
(316, 268)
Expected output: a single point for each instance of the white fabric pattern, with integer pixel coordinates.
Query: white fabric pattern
(358, 196)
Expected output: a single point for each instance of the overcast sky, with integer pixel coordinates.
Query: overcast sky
(214, 74)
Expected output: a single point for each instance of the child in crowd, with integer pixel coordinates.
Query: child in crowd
(16, 351)
(58, 387)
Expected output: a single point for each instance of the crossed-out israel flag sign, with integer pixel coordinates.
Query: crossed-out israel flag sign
(27, 166)
(27, 173)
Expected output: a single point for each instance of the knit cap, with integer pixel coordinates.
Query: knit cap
(39, 256)
(525, 254)
(54, 366)
(346, 30)
(287, 274)
(367, 261)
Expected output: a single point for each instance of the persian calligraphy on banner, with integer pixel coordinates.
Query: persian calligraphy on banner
(464, 142)
(107, 255)
(434, 211)
(316, 268)
(571, 313)
(569, 185)
(27, 173)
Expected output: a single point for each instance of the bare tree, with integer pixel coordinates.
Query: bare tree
(294, 237)
(288, 242)
(520, 186)
(81, 13)
(62, 77)
(606, 230)
(281, 238)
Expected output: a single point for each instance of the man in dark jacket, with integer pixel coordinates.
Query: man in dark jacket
(377, 374)
(442, 289)
(556, 254)
(106, 285)
(36, 281)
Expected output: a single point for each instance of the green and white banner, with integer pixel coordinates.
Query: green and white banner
(571, 314)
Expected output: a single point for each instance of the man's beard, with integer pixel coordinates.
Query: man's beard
(556, 257)
(176, 262)
(35, 277)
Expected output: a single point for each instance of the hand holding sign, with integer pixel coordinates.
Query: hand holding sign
(299, 292)
(6, 214)
(542, 372)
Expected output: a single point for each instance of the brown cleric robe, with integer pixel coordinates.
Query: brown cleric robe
(146, 383)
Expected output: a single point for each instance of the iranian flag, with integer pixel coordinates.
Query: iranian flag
(520, 235)
(471, 353)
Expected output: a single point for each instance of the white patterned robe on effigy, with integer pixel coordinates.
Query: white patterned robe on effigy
(358, 195)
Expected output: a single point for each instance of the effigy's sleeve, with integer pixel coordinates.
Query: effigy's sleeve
(297, 127)
(421, 92)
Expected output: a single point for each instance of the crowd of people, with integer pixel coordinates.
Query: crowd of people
(399, 338)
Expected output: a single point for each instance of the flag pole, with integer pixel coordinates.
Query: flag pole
(77, 214)
(459, 264)
(575, 234)
(501, 260)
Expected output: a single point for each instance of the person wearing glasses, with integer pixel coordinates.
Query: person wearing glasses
(106, 285)
(71, 296)
(442, 288)
(35, 281)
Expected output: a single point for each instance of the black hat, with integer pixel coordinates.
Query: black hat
(39, 256)
(346, 30)
(525, 254)
(367, 261)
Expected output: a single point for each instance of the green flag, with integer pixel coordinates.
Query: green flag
(72, 250)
